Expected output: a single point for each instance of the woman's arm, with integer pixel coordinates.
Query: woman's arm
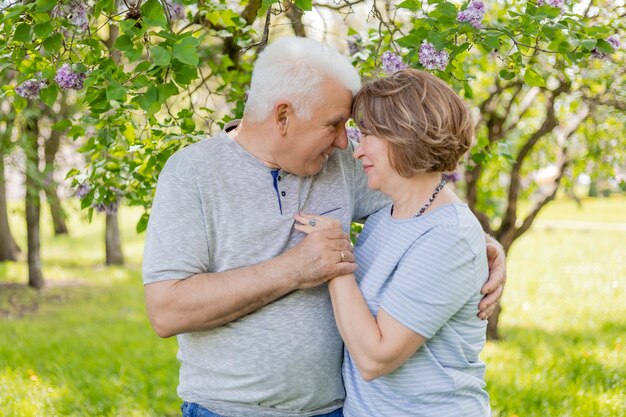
(378, 345)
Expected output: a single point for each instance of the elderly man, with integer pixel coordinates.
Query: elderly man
(225, 270)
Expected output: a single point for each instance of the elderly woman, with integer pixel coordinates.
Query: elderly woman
(408, 314)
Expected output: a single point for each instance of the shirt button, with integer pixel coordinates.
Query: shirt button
(283, 193)
(279, 178)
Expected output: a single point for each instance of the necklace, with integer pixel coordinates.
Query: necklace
(430, 200)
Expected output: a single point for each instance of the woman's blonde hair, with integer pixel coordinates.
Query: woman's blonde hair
(427, 125)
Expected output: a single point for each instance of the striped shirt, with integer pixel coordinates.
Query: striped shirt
(427, 273)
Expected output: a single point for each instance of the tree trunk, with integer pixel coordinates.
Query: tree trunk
(56, 210)
(492, 324)
(114, 255)
(8, 246)
(113, 246)
(33, 201)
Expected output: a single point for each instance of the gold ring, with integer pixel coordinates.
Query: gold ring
(342, 257)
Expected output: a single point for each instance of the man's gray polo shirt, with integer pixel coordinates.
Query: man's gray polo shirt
(216, 208)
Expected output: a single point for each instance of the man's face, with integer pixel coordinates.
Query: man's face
(309, 143)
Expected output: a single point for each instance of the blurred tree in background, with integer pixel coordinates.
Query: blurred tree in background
(132, 82)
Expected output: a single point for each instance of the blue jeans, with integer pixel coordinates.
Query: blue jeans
(195, 410)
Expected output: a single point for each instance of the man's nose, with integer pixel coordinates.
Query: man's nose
(341, 141)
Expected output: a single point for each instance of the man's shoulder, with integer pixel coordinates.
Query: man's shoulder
(208, 150)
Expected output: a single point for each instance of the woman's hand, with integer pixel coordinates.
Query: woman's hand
(310, 223)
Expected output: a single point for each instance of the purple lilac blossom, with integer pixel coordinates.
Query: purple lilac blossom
(473, 14)
(354, 133)
(353, 44)
(451, 176)
(597, 54)
(613, 40)
(431, 58)
(392, 63)
(75, 11)
(82, 190)
(554, 3)
(108, 208)
(66, 78)
(30, 88)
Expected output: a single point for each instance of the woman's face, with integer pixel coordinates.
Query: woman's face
(374, 155)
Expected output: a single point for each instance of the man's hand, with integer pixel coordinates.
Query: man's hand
(325, 253)
(497, 277)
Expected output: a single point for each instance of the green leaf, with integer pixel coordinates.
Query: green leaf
(148, 100)
(185, 74)
(268, 3)
(447, 9)
(62, 125)
(166, 91)
(304, 4)
(142, 224)
(124, 43)
(548, 11)
(43, 30)
(589, 44)
(605, 47)
(161, 56)
(52, 43)
(410, 5)
(492, 41)
(185, 51)
(49, 95)
(22, 33)
(45, 5)
(533, 79)
(134, 55)
(116, 91)
(19, 103)
(153, 14)
(411, 40)
(72, 172)
(507, 75)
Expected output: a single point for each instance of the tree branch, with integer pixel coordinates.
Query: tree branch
(562, 137)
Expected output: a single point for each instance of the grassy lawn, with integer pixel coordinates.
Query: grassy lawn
(83, 345)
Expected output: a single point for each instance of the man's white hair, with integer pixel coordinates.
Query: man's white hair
(293, 69)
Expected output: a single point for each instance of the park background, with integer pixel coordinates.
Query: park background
(95, 96)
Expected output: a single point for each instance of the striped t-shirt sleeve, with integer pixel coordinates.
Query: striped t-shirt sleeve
(433, 280)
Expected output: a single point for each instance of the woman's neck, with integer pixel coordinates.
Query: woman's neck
(409, 195)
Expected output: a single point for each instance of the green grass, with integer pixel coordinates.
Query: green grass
(83, 345)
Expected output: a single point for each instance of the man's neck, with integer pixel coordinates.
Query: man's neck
(257, 140)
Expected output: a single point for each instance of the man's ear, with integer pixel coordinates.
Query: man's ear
(282, 115)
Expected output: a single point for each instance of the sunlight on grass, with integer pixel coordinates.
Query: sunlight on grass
(83, 346)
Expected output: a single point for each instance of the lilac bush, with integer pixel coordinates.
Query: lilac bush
(30, 88)
(354, 134)
(432, 59)
(82, 190)
(392, 63)
(473, 14)
(451, 176)
(75, 11)
(68, 79)
(554, 3)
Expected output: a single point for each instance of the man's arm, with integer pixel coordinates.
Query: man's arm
(208, 300)
(494, 286)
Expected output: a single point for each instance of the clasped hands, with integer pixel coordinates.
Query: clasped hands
(326, 253)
